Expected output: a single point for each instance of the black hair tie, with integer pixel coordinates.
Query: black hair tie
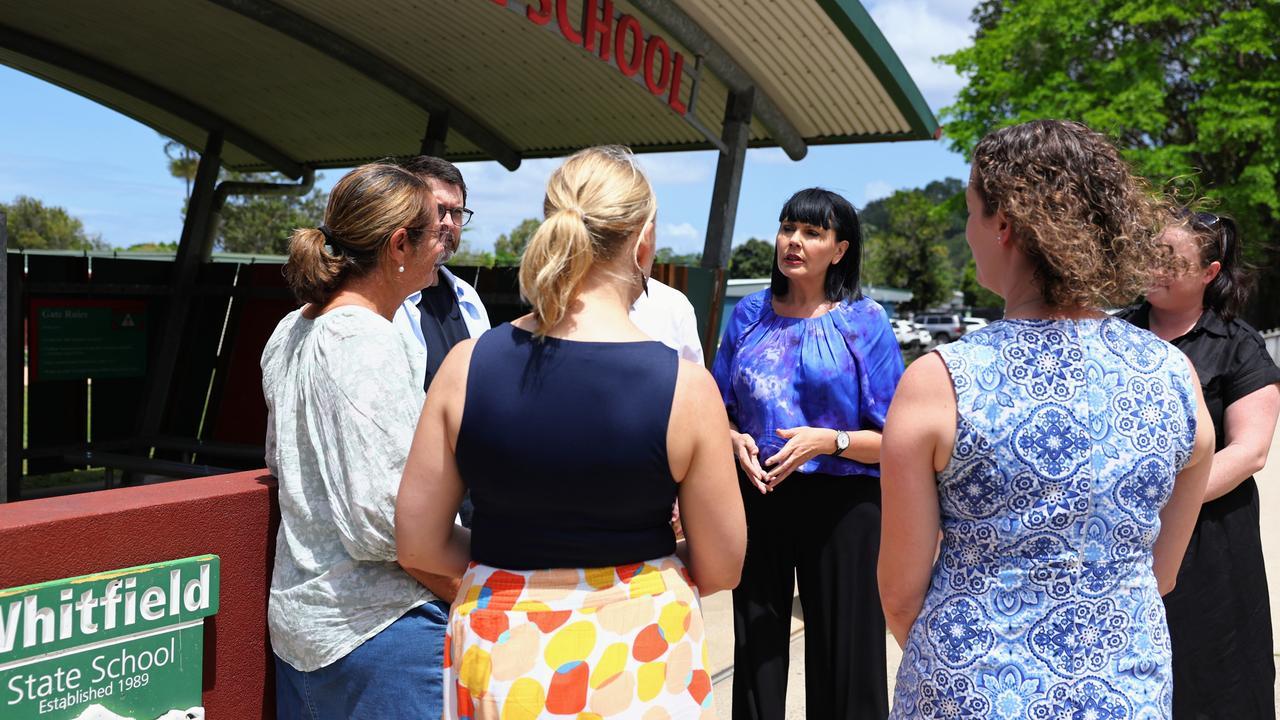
(331, 244)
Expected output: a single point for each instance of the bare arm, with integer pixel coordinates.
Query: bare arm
(918, 437)
(1178, 517)
(427, 540)
(1250, 423)
(442, 586)
(701, 460)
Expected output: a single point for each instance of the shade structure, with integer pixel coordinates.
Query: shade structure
(301, 85)
(293, 84)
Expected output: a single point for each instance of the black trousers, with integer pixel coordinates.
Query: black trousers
(824, 531)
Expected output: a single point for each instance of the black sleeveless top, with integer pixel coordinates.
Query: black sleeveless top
(563, 445)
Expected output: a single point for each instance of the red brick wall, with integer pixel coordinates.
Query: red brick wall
(233, 516)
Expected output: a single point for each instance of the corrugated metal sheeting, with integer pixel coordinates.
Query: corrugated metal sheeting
(515, 73)
(798, 57)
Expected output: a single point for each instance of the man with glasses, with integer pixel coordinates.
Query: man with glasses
(449, 311)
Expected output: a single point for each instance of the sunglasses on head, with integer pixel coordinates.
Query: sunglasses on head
(1222, 228)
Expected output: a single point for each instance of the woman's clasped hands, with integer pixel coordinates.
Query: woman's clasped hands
(802, 444)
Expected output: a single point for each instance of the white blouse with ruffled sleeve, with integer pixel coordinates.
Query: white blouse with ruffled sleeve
(344, 392)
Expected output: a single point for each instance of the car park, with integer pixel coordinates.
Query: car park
(942, 327)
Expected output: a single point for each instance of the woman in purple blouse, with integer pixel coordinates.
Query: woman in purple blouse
(807, 369)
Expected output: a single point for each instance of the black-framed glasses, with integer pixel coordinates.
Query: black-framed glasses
(461, 216)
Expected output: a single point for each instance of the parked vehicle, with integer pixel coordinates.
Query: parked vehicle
(942, 327)
(974, 323)
(910, 335)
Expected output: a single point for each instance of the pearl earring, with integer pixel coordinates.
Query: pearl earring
(401, 268)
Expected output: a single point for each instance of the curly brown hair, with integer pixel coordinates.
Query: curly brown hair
(1076, 208)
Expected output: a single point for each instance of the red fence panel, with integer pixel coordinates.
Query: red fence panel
(233, 516)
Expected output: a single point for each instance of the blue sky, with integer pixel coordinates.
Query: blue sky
(110, 171)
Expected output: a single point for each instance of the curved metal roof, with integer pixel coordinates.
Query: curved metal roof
(330, 83)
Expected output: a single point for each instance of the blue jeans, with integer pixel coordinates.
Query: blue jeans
(397, 673)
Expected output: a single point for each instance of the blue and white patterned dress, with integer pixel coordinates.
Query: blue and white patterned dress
(1043, 603)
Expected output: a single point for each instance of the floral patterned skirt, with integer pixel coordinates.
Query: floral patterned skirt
(612, 642)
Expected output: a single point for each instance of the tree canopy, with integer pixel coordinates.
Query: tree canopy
(752, 259)
(909, 249)
(32, 225)
(671, 257)
(509, 247)
(1188, 89)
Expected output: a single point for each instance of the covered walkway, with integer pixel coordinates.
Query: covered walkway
(295, 86)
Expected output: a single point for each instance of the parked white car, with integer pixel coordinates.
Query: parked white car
(942, 327)
(910, 335)
(974, 323)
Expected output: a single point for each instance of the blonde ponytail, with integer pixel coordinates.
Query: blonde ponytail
(595, 202)
(555, 261)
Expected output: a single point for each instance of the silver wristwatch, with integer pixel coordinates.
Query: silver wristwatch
(842, 442)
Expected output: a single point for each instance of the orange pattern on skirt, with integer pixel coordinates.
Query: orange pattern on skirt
(589, 644)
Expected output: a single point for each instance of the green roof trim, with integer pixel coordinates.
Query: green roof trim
(861, 31)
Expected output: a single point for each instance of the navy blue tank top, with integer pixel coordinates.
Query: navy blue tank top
(563, 445)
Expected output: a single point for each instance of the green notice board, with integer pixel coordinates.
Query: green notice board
(78, 339)
(131, 641)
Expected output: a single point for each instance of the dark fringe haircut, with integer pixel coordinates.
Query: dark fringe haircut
(828, 210)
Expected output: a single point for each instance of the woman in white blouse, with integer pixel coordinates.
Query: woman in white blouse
(354, 634)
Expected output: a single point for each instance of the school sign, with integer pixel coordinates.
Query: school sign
(131, 641)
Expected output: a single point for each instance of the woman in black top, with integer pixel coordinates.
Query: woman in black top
(575, 433)
(1219, 614)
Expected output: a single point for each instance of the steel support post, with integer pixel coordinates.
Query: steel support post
(437, 130)
(186, 270)
(724, 197)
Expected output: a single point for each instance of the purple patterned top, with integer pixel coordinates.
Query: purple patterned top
(837, 371)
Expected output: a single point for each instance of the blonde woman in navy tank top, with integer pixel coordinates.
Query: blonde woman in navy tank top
(575, 432)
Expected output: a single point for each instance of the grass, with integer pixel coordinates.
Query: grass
(96, 476)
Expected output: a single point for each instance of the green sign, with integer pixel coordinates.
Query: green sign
(130, 641)
(92, 338)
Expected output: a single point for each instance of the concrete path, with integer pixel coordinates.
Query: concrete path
(717, 610)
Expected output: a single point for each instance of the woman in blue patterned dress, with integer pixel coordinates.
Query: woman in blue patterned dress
(806, 369)
(1061, 452)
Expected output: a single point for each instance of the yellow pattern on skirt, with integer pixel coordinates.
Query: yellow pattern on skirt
(588, 644)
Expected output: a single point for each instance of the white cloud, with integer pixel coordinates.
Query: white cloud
(676, 168)
(679, 235)
(920, 30)
(875, 190)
